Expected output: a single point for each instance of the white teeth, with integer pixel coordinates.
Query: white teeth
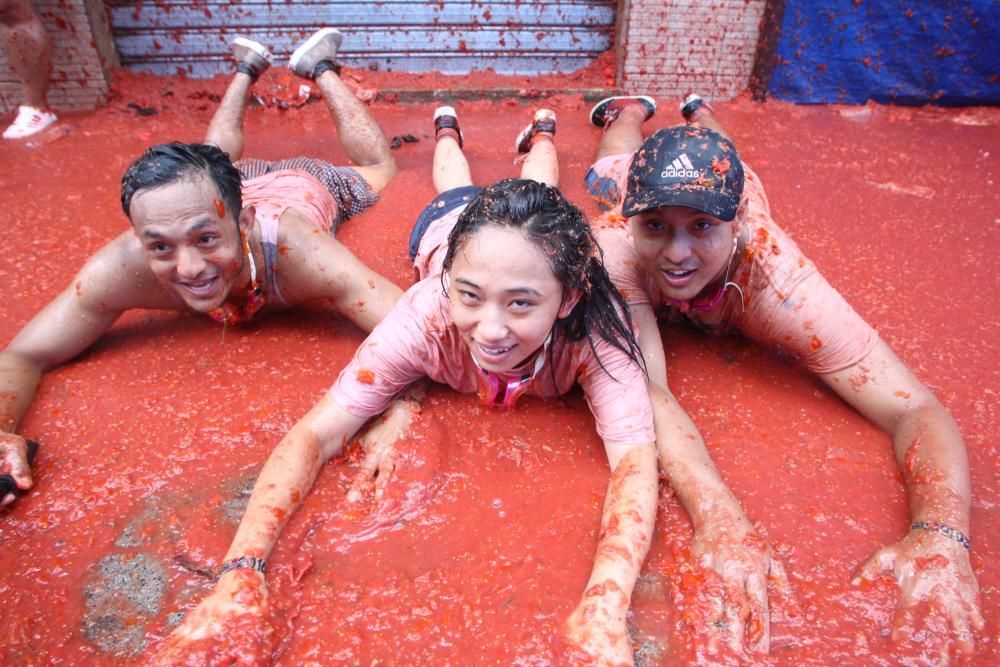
(494, 350)
(201, 286)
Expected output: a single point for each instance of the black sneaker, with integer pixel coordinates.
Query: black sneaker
(605, 111)
(692, 103)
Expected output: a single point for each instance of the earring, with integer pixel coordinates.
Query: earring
(728, 283)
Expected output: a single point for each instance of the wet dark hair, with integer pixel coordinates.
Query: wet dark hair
(168, 163)
(559, 230)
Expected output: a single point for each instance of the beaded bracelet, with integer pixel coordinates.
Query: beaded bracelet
(944, 529)
(243, 563)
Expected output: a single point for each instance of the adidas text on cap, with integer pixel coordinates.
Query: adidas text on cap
(686, 165)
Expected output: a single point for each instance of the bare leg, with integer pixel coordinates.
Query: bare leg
(362, 138)
(450, 169)
(28, 50)
(226, 128)
(542, 161)
(704, 117)
(624, 136)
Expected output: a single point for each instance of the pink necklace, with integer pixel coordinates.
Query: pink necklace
(497, 391)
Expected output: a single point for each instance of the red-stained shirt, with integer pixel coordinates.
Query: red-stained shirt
(787, 303)
(272, 194)
(419, 339)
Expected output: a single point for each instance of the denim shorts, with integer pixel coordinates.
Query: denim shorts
(443, 204)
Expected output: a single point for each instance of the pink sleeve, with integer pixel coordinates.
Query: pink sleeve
(621, 263)
(817, 325)
(790, 305)
(397, 353)
(617, 394)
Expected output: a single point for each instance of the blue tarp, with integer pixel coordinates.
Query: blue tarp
(892, 51)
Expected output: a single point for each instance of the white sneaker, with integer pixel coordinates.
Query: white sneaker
(29, 121)
(544, 120)
(252, 55)
(321, 46)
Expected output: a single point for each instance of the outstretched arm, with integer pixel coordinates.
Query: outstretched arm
(724, 540)
(63, 329)
(289, 474)
(231, 622)
(930, 564)
(379, 444)
(598, 626)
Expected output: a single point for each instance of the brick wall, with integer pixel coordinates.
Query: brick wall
(669, 48)
(82, 51)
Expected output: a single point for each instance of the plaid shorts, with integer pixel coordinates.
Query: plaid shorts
(349, 189)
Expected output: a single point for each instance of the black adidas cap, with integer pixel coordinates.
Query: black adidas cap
(686, 165)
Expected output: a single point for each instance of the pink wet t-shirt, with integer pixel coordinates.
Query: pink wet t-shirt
(419, 339)
(787, 302)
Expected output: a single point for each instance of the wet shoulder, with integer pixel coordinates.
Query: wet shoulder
(427, 314)
(775, 261)
(621, 262)
(583, 363)
(118, 275)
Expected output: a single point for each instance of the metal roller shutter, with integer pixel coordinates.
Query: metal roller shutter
(450, 36)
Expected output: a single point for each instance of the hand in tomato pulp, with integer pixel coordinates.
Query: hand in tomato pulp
(229, 627)
(379, 444)
(14, 462)
(930, 569)
(741, 557)
(597, 632)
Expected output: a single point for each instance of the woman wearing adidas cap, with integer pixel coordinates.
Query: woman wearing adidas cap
(694, 234)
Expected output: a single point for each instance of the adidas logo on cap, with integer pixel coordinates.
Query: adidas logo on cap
(681, 167)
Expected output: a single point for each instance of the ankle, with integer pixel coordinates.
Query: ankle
(700, 114)
(243, 68)
(324, 66)
(447, 132)
(634, 111)
(629, 118)
(542, 135)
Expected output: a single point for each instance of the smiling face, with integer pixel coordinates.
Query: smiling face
(504, 297)
(191, 241)
(682, 248)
